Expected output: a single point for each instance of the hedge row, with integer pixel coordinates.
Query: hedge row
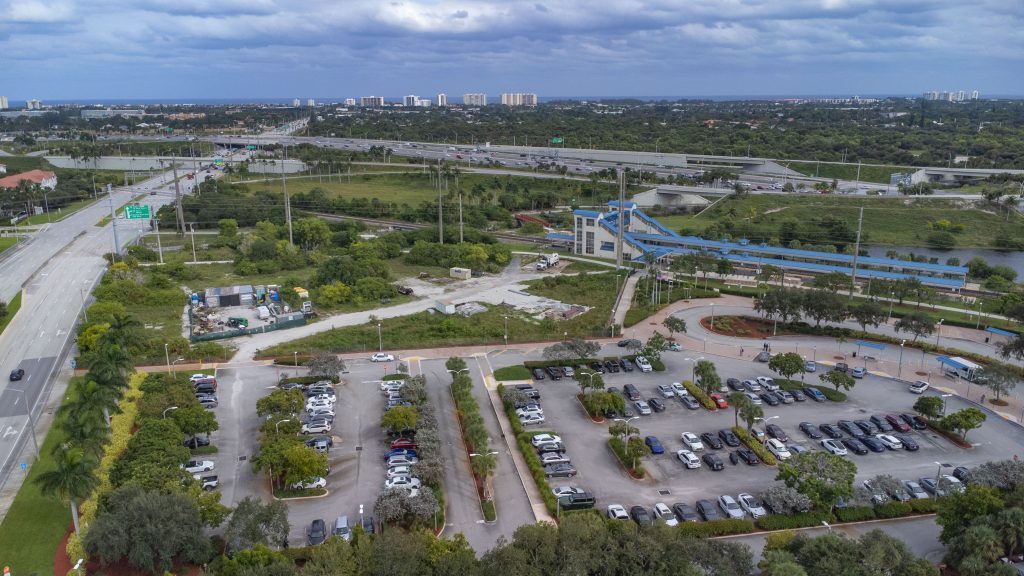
(395, 376)
(619, 449)
(752, 443)
(893, 509)
(523, 440)
(531, 364)
(801, 520)
(722, 527)
(700, 395)
(925, 505)
(304, 380)
(855, 513)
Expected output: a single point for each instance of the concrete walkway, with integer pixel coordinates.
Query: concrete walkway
(625, 300)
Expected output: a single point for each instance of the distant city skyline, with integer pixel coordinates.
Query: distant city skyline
(249, 50)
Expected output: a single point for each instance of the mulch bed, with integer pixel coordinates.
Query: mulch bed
(743, 327)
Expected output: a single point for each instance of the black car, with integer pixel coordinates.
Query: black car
(711, 441)
(747, 455)
(735, 384)
(713, 462)
(914, 421)
(538, 374)
(881, 423)
(312, 441)
(528, 390)
(729, 437)
(613, 390)
(612, 413)
(685, 512)
(810, 430)
(630, 342)
(776, 432)
(369, 525)
(841, 367)
(17, 374)
(868, 428)
(873, 444)
(611, 365)
(554, 372)
(317, 533)
(656, 404)
(550, 447)
(626, 365)
(707, 510)
(909, 444)
(769, 399)
(597, 367)
(689, 402)
(962, 474)
(641, 516)
(832, 431)
(853, 445)
(196, 442)
(850, 428)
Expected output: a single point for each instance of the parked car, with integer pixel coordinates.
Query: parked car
(897, 423)
(855, 446)
(317, 533)
(554, 458)
(729, 437)
(798, 395)
(914, 421)
(914, 489)
(568, 372)
(866, 425)
(707, 510)
(873, 443)
(642, 407)
(841, 367)
(382, 357)
(401, 460)
(550, 447)
(713, 461)
(711, 441)
(597, 367)
(666, 391)
(909, 444)
(768, 383)
(316, 427)
(689, 459)
(630, 342)
(689, 402)
(566, 490)
(19, 373)
(405, 482)
(747, 456)
(656, 404)
(785, 396)
(859, 372)
(719, 401)
(754, 399)
(554, 372)
(403, 443)
(684, 512)
(832, 431)
(815, 394)
(763, 356)
(626, 364)
(611, 366)
(962, 474)
(643, 364)
(691, 441)
(559, 471)
(663, 513)
(640, 515)
(834, 446)
(775, 431)
(196, 466)
(538, 374)
(811, 431)
(751, 505)
(810, 366)
(654, 444)
(196, 442)
(531, 419)
(778, 449)
(891, 442)
(751, 386)
(318, 482)
(851, 428)
(918, 387)
(616, 512)
(528, 390)
(539, 439)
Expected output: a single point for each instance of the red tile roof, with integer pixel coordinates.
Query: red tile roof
(36, 176)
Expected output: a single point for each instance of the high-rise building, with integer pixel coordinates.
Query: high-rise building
(442, 100)
(296, 103)
(34, 105)
(310, 102)
(424, 102)
(474, 99)
(3, 102)
(371, 101)
(975, 95)
(519, 99)
(350, 101)
(961, 96)
(410, 101)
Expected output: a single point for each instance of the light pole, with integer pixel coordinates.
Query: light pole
(693, 367)
(944, 396)
(627, 421)
(360, 514)
(295, 358)
(815, 358)
(977, 326)
(899, 373)
(712, 316)
(938, 332)
(826, 525)
(169, 409)
(380, 339)
(506, 331)
(277, 430)
(167, 356)
(938, 475)
(78, 566)
(457, 372)
(192, 227)
(31, 421)
(892, 297)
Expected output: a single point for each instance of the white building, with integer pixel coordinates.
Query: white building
(442, 100)
(371, 101)
(410, 100)
(34, 104)
(519, 99)
(3, 102)
(350, 101)
(476, 99)
(296, 103)
(975, 95)
(310, 102)
(424, 103)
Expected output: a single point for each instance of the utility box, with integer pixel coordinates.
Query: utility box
(263, 312)
(445, 306)
(461, 273)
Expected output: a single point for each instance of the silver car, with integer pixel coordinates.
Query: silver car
(730, 507)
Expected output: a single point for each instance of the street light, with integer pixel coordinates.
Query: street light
(277, 430)
(712, 315)
(938, 475)
(627, 421)
(944, 396)
(938, 332)
(976, 325)
(168, 409)
(380, 339)
(506, 331)
(693, 367)
(295, 358)
(826, 525)
(167, 356)
(899, 374)
(892, 297)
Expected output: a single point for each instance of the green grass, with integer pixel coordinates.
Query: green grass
(887, 221)
(878, 174)
(490, 514)
(12, 308)
(516, 372)
(7, 242)
(106, 219)
(55, 216)
(400, 188)
(35, 524)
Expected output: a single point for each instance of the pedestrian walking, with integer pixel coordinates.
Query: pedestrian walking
(741, 351)
(982, 398)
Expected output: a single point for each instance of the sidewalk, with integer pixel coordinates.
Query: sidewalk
(625, 300)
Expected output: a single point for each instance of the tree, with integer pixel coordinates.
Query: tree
(786, 365)
(311, 233)
(820, 476)
(867, 312)
(254, 522)
(589, 379)
(325, 365)
(72, 479)
(738, 400)
(89, 396)
(574, 349)
(780, 563)
(833, 281)
(656, 344)
(455, 364)
(724, 267)
(636, 448)
(930, 406)
(823, 305)
(622, 429)
(483, 464)
(769, 272)
(674, 324)
(415, 390)
(958, 510)
(1000, 379)
(302, 463)
(1006, 475)
(194, 420)
(917, 323)
(399, 418)
(785, 500)
(228, 228)
(905, 287)
(750, 413)
(148, 529)
(705, 370)
(281, 402)
(837, 379)
(963, 421)
(978, 541)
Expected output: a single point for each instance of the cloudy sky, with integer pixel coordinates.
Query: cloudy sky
(101, 49)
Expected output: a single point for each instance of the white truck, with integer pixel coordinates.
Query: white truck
(547, 261)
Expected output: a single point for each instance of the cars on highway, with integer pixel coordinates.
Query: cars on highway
(19, 373)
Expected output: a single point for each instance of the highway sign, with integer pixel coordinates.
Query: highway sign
(136, 211)
(218, 161)
(556, 140)
(250, 147)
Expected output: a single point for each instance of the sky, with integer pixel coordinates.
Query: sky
(324, 49)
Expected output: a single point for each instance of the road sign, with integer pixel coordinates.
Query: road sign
(250, 147)
(136, 211)
(556, 140)
(218, 161)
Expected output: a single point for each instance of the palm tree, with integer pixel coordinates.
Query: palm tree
(91, 396)
(739, 402)
(71, 480)
(84, 430)
(121, 328)
(109, 365)
(751, 413)
(1009, 525)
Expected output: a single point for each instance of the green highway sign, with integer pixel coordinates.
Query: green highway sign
(250, 147)
(556, 140)
(136, 211)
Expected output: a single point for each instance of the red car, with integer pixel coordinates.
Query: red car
(719, 400)
(403, 443)
(897, 423)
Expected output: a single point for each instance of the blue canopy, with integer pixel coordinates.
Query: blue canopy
(1001, 332)
(874, 345)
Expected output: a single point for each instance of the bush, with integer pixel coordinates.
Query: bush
(516, 372)
(723, 527)
(855, 513)
(829, 393)
(395, 376)
(530, 456)
(700, 395)
(619, 449)
(924, 505)
(802, 520)
(752, 443)
(531, 364)
(308, 379)
(893, 509)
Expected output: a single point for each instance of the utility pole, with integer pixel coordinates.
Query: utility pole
(177, 200)
(621, 220)
(159, 246)
(856, 253)
(460, 216)
(287, 201)
(440, 212)
(192, 226)
(113, 218)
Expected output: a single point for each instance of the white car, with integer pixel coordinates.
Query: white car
(529, 410)
(691, 441)
(316, 427)
(617, 512)
(768, 383)
(776, 447)
(642, 407)
(891, 442)
(399, 471)
(689, 459)
(730, 507)
(531, 419)
(952, 483)
(679, 389)
(385, 385)
(545, 438)
(666, 391)
(382, 357)
(318, 482)
(751, 505)
(554, 458)
(196, 377)
(327, 413)
(566, 490)
(834, 446)
(918, 387)
(196, 466)
(664, 513)
(402, 482)
(319, 405)
(401, 460)
(754, 399)
(328, 397)
(643, 364)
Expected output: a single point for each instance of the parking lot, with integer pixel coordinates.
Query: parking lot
(669, 482)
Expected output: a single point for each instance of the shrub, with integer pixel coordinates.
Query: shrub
(722, 527)
(829, 393)
(700, 395)
(619, 449)
(855, 513)
(516, 372)
(308, 379)
(893, 509)
(396, 376)
(802, 520)
(531, 364)
(924, 505)
(752, 443)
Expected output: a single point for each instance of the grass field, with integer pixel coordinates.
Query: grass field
(399, 188)
(879, 174)
(887, 221)
(7, 242)
(12, 308)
